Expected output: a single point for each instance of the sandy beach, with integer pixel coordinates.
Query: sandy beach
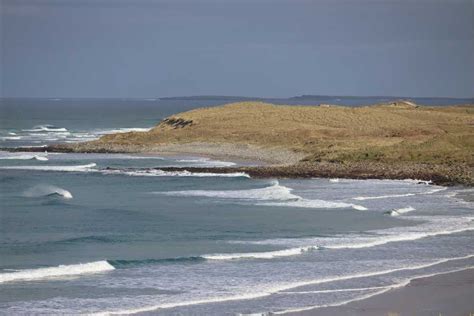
(443, 294)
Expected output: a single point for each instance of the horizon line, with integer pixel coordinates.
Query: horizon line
(153, 98)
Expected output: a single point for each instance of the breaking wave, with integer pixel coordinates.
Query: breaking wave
(206, 162)
(48, 190)
(274, 195)
(46, 128)
(400, 211)
(124, 130)
(388, 196)
(441, 226)
(59, 271)
(261, 255)
(363, 198)
(271, 289)
(25, 157)
(273, 192)
(120, 264)
(162, 173)
(77, 168)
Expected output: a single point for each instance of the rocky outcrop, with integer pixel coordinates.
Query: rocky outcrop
(176, 122)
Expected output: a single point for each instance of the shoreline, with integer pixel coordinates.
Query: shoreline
(258, 163)
(446, 293)
(396, 140)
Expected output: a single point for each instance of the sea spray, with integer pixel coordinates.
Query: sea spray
(47, 190)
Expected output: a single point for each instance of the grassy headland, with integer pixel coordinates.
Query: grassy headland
(394, 140)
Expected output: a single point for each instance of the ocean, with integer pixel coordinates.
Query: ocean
(113, 234)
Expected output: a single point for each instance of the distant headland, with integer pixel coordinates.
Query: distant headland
(393, 140)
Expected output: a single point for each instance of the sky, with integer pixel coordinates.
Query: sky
(261, 48)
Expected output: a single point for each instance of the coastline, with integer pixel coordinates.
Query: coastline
(449, 293)
(397, 140)
(260, 162)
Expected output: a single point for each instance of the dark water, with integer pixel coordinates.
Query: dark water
(76, 237)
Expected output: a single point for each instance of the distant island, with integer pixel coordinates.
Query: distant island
(394, 140)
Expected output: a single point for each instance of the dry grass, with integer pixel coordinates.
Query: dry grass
(385, 133)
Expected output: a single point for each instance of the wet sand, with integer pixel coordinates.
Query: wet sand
(449, 294)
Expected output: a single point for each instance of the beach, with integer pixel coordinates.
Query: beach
(237, 158)
(444, 294)
(96, 223)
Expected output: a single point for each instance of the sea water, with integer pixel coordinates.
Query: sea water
(114, 234)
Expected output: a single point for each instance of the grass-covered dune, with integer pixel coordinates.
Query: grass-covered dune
(390, 135)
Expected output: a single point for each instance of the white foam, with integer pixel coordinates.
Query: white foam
(363, 198)
(400, 211)
(25, 157)
(59, 271)
(48, 190)
(273, 192)
(272, 289)
(273, 195)
(416, 181)
(161, 173)
(432, 227)
(260, 255)
(435, 190)
(123, 130)
(383, 289)
(388, 196)
(77, 168)
(306, 203)
(207, 162)
(46, 128)
(452, 225)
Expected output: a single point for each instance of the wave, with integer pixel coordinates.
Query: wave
(273, 195)
(261, 255)
(11, 137)
(77, 168)
(382, 290)
(123, 130)
(400, 211)
(430, 229)
(305, 203)
(48, 190)
(25, 157)
(162, 173)
(417, 181)
(59, 271)
(207, 162)
(85, 239)
(432, 191)
(363, 198)
(435, 190)
(119, 264)
(279, 288)
(46, 128)
(273, 192)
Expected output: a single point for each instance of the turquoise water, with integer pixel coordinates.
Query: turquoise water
(76, 237)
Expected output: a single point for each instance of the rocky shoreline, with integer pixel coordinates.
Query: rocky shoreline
(439, 175)
(399, 140)
(446, 175)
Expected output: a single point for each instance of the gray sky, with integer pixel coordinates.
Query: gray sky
(148, 48)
